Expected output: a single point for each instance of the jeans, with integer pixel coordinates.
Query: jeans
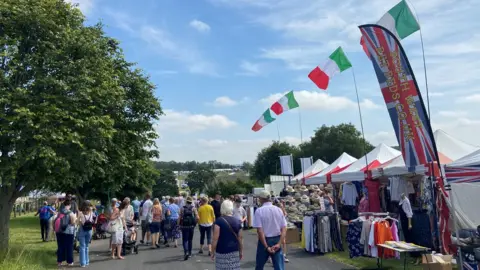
(65, 248)
(84, 239)
(44, 229)
(187, 239)
(208, 232)
(263, 255)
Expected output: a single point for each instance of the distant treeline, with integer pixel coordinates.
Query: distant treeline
(192, 165)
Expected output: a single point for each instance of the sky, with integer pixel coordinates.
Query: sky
(219, 64)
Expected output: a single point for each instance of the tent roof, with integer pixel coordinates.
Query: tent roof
(450, 148)
(378, 156)
(471, 159)
(314, 169)
(342, 162)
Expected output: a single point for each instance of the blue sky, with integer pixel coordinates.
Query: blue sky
(219, 64)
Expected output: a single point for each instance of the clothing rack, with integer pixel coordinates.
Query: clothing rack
(318, 212)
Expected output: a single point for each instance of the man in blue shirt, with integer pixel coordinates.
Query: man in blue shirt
(45, 212)
(136, 209)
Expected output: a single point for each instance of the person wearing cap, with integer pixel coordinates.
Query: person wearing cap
(271, 230)
(188, 220)
(45, 212)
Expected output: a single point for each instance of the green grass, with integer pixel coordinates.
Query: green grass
(27, 251)
(371, 263)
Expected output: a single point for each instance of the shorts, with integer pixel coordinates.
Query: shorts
(155, 227)
(145, 226)
(136, 216)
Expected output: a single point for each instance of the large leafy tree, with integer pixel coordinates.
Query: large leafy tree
(328, 143)
(267, 162)
(165, 184)
(198, 179)
(73, 111)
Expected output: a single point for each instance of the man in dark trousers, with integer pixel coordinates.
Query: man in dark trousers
(216, 205)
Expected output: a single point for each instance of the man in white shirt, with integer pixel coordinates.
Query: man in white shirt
(145, 217)
(271, 230)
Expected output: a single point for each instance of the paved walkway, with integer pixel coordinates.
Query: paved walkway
(172, 258)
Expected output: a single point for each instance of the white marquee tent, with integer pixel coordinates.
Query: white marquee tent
(341, 163)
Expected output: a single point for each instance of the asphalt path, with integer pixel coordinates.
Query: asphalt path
(172, 258)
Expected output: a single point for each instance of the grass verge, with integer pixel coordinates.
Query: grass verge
(27, 251)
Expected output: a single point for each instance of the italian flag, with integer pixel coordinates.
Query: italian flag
(286, 103)
(399, 20)
(264, 120)
(336, 63)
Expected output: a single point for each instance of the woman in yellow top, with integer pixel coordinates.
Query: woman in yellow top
(206, 220)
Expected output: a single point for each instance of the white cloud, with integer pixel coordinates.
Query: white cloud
(436, 94)
(453, 114)
(388, 138)
(200, 26)
(186, 122)
(84, 5)
(321, 101)
(224, 102)
(164, 43)
(250, 69)
(212, 143)
(475, 98)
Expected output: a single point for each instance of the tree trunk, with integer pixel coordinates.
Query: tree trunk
(6, 205)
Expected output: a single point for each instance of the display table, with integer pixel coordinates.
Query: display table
(401, 250)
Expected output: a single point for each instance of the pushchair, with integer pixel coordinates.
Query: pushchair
(100, 228)
(129, 246)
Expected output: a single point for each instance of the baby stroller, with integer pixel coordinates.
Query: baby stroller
(129, 246)
(100, 228)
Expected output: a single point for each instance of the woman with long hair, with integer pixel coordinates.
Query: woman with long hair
(118, 226)
(85, 222)
(65, 236)
(156, 221)
(227, 241)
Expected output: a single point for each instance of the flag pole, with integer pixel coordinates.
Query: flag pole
(278, 132)
(300, 124)
(361, 120)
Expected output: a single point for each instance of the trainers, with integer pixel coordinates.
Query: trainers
(200, 252)
(285, 259)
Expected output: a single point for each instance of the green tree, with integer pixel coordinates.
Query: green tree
(247, 166)
(198, 179)
(73, 110)
(328, 143)
(268, 163)
(165, 184)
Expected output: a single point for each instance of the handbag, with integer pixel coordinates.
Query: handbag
(112, 226)
(167, 226)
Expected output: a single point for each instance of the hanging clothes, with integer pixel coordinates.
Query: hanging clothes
(383, 233)
(373, 196)
(364, 237)
(371, 241)
(399, 186)
(421, 230)
(335, 232)
(363, 206)
(349, 194)
(353, 238)
(395, 237)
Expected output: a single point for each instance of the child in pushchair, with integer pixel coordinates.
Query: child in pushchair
(100, 228)
(129, 245)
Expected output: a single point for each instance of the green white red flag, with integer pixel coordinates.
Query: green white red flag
(284, 104)
(336, 63)
(399, 20)
(264, 120)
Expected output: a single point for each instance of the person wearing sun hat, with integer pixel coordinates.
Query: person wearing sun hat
(290, 190)
(188, 220)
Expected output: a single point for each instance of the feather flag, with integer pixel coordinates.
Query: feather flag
(399, 20)
(284, 104)
(402, 96)
(336, 63)
(264, 120)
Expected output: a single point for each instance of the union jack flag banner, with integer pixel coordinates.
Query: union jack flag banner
(470, 174)
(402, 97)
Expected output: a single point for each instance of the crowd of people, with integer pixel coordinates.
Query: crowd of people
(163, 221)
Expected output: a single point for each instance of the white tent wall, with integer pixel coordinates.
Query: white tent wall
(316, 168)
(466, 198)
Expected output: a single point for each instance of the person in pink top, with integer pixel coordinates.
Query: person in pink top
(271, 230)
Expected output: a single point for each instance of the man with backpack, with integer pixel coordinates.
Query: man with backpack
(45, 212)
(188, 221)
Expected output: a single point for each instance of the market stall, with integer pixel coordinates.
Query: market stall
(313, 170)
(340, 164)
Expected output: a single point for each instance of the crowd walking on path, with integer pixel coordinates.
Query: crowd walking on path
(164, 221)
